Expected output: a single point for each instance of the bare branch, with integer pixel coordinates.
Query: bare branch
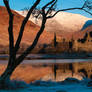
(37, 13)
(44, 7)
(23, 25)
(28, 50)
(87, 11)
(77, 8)
(50, 9)
(87, 4)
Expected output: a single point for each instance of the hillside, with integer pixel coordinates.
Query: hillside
(64, 24)
(81, 33)
(30, 31)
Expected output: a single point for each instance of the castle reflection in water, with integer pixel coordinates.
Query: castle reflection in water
(83, 68)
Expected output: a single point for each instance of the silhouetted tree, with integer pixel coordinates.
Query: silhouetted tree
(13, 48)
(43, 49)
(71, 68)
(90, 33)
(63, 40)
(55, 42)
(91, 76)
(55, 67)
(70, 45)
(83, 39)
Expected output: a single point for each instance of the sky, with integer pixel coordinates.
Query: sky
(62, 4)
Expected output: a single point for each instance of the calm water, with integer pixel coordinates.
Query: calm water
(50, 61)
(60, 67)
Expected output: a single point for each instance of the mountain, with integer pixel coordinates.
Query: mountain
(30, 31)
(87, 24)
(64, 23)
(81, 33)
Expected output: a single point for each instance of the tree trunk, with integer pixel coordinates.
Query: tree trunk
(7, 73)
(5, 77)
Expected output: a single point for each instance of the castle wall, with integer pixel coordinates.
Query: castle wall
(86, 46)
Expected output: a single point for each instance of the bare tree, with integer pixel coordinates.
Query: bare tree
(13, 48)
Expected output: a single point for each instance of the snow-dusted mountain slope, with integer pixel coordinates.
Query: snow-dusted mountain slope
(63, 22)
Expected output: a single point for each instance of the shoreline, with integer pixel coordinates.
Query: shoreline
(52, 56)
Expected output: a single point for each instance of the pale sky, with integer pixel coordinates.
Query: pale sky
(62, 4)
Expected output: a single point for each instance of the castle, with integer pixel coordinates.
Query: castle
(79, 45)
(84, 44)
(84, 69)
